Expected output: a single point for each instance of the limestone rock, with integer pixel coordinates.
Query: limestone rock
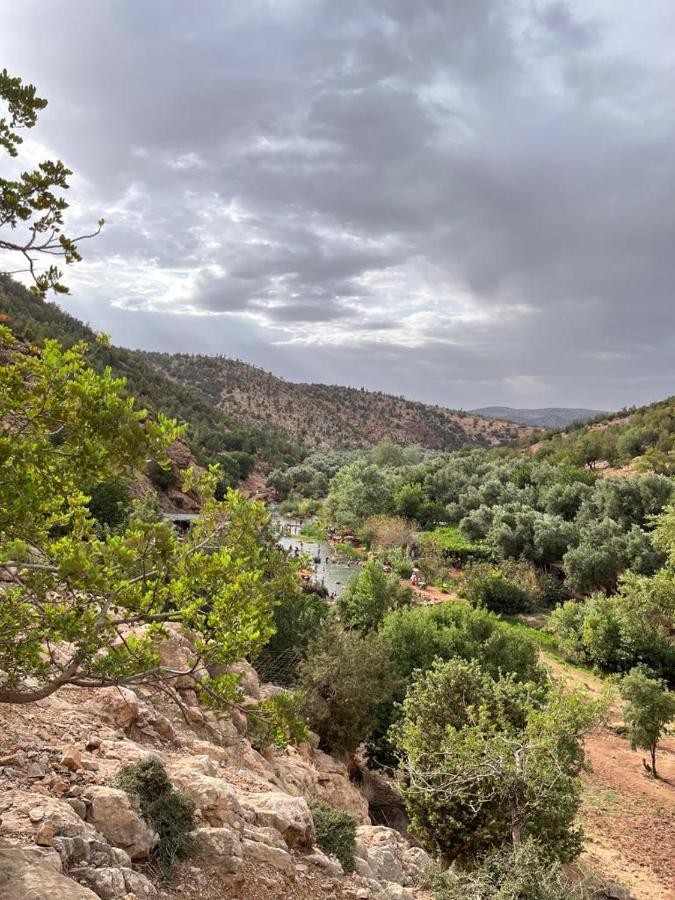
(218, 846)
(138, 885)
(21, 814)
(217, 800)
(248, 679)
(385, 855)
(289, 815)
(107, 883)
(113, 815)
(118, 705)
(71, 759)
(23, 876)
(263, 853)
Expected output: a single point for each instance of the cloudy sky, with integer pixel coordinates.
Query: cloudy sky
(469, 202)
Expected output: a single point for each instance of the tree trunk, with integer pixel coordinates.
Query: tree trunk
(653, 752)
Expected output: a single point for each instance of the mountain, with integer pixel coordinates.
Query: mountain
(547, 417)
(322, 416)
(212, 435)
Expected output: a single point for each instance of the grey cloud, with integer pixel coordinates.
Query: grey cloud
(301, 162)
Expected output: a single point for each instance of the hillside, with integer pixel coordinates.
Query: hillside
(212, 434)
(635, 438)
(322, 416)
(546, 417)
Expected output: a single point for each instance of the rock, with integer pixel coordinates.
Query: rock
(217, 800)
(331, 864)
(64, 820)
(45, 835)
(73, 850)
(289, 815)
(138, 885)
(263, 853)
(36, 814)
(614, 891)
(24, 876)
(71, 759)
(218, 846)
(107, 883)
(102, 854)
(385, 855)
(248, 679)
(118, 705)
(269, 836)
(14, 760)
(112, 814)
(78, 806)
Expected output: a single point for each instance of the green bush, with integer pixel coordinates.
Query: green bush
(344, 678)
(490, 588)
(160, 476)
(335, 833)
(313, 532)
(296, 620)
(168, 811)
(369, 596)
(110, 502)
(277, 721)
(524, 873)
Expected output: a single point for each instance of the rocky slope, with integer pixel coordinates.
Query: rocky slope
(67, 832)
(321, 416)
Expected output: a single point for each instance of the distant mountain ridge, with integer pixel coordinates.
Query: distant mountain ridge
(545, 417)
(322, 416)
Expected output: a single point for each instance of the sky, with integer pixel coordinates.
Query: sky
(468, 202)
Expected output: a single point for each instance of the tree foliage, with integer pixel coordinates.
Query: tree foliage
(369, 595)
(32, 204)
(648, 708)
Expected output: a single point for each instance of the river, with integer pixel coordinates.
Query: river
(333, 575)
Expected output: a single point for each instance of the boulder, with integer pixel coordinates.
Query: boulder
(118, 705)
(290, 816)
(24, 876)
(271, 856)
(138, 885)
(25, 811)
(107, 883)
(385, 855)
(112, 814)
(219, 847)
(216, 800)
(248, 679)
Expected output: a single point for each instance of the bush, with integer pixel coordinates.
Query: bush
(313, 532)
(161, 476)
(344, 677)
(168, 811)
(335, 833)
(369, 596)
(524, 873)
(490, 588)
(296, 620)
(277, 721)
(110, 502)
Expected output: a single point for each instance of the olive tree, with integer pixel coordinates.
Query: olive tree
(648, 708)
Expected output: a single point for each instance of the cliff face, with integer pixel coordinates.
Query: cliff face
(67, 828)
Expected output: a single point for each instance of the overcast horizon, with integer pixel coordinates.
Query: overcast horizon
(469, 202)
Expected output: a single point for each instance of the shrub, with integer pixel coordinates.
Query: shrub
(296, 620)
(168, 811)
(649, 707)
(524, 873)
(277, 721)
(347, 552)
(162, 476)
(489, 763)
(344, 677)
(335, 833)
(313, 532)
(490, 588)
(110, 502)
(369, 596)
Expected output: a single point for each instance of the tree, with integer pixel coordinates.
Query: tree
(88, 608)
(490, 763)
(648, 708)
(31, 205)
(369, 596)
(357, 491)
(345, 677)
(389, 531)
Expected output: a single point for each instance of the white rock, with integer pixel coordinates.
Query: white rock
(219, 846)
(24, 876)
(263, 853)
(112, 814)
(289, 815)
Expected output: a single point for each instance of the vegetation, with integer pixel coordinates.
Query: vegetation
(67, 427)
(490, 762)
(296, 620)
(369, 596)
(32, 206)
(335, 833)
(168, 811)
(525, 872)
(344, 677)
(277, 721)
(649, 707)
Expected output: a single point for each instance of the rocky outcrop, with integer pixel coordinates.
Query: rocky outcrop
(112, 814)
(25, 875)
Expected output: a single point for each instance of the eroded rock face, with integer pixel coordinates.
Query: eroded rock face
(24, 876)
(112, 814)
(384, 855)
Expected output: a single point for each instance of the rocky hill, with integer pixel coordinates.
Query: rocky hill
(546, 417)
(70, 833)
(321, 416)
